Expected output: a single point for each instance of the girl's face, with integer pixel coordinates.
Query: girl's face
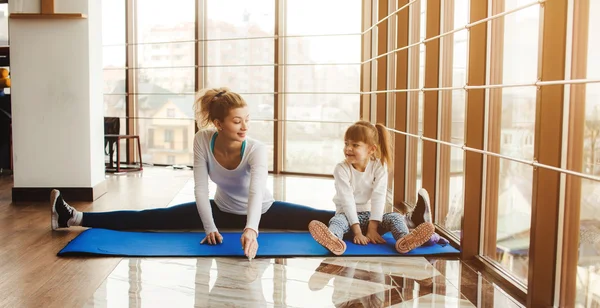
(235, 125)
(358, 152)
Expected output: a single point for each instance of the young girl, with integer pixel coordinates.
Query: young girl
(361, 186)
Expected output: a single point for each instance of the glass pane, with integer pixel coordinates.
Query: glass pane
(113, 38)
(303, 152)
(320, 14)
(157, 22)
(319, 50)
(263, 132)
(331, 107)
(246, 79)
(113, 54)
(515, 180)
(244, 20)
(521, 34)
(450, 202)
(453, 71)
(510, 190)
(114, 81)
(422, 34)
(323, 78)
(240, 18)
(514, 217)
(240, 52)
(306, 154)
(165, 80)
(165, 55)
(166, 127)
(588, 276)
(114, 106)
(113, 22)
(260, 106)
(167, 141)
(511, 198)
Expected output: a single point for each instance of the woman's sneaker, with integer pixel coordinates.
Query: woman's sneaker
(417, 237)
(323, 236)
(63, 215)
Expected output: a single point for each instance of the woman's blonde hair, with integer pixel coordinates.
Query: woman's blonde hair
(214, 104)
(374, 135)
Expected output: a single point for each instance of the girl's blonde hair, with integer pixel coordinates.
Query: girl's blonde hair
(374, 135)
(214, 104)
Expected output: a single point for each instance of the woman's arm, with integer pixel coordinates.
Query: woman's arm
(345, 193)
(258, 182)
(201, 186)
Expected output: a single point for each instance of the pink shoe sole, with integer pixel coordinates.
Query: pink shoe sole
(323, 236)
(417, 237)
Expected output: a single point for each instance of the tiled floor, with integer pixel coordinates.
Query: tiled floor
(295, 282)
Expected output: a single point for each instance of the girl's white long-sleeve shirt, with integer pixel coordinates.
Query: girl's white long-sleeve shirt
(241, 191)
(357, 191)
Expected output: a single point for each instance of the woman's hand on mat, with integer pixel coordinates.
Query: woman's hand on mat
(249, 243)
(361, 239)
(213, 238)
(374, 237)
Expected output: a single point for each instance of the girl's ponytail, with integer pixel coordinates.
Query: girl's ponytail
(384, 145)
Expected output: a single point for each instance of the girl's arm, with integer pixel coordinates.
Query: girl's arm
(201, 186)
(378, 196)
(345, 193)
(259, 172)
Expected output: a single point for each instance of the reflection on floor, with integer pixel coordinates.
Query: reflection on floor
(296, 282)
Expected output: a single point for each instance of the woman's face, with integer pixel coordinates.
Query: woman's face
(235, 125)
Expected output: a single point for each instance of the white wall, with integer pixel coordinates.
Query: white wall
(56, 71)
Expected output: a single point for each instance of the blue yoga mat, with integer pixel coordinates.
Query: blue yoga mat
(187, 244)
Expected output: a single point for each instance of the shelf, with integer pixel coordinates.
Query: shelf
(47, 16)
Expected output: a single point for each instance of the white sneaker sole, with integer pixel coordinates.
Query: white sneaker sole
(54, 221)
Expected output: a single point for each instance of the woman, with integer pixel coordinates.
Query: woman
(235, 163)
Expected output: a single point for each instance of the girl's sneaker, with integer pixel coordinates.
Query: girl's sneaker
(417, 237)
(320, 232)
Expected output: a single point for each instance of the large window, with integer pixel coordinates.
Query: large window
(321, 56)
(508, 127)
(176, 50)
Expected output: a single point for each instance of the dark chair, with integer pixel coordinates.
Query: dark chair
(112, 145)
